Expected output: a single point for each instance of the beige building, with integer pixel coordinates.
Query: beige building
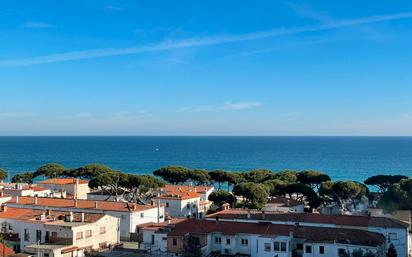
(75, 188)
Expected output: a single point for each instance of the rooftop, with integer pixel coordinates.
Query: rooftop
(346, 220)
(186, 188)
(79, 204)
(63, 181)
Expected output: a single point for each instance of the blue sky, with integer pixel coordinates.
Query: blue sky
(127, 67)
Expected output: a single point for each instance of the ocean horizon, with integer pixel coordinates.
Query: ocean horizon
(342, 157)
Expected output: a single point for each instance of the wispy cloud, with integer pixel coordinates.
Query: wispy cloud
(226, 106)
(407, 116)
(12, 115)
(202, 41)
(37, 25)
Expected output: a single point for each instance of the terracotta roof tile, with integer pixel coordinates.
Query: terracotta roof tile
(63, 181)
(81, 204)
(346, 220)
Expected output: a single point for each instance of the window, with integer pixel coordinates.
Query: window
(276, 246)
(341, 251)
(228, 241)
(321, 249)
(153, 239)
(218, 240)
(308, 249)
(267, 247)
(142, 215)
(299, 246)
(174, 241)
(38, 235)
(167, 205)
(46, 255)
(79, 235)
(164, 238)
(244, 242)
(26, 235)
(102, 230)
(188, 205)
(283, 246)
(88, 233)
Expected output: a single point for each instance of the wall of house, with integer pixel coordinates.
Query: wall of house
(178, 208)
(398, 237)
(258, 246)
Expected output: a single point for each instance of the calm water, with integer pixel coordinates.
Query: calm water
(341, 157)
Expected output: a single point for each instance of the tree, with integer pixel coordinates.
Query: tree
(218, 176)
(288, 176)
(173, 174)
(140, 186)
(255, 195)
(259, 176)
(200, 177)
(276, 187)
(221, 196)
(302, 192)
(233, 178)
(391, 251)
(383, 182)
(109, 181)
(50, 170)
(398, 196)
(312, 178)
(3, 175)
(342, 191)
(26, 177)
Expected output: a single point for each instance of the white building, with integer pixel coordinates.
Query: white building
(394, 231)
(55, 234)
(185, 200)
(28, 190)
(256, 239)
(130, 214)
(283, 204)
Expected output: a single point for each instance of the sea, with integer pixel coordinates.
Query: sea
(354, 158)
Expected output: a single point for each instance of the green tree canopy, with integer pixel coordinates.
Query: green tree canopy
(50, 170)
(288, 176)
(26, 177)
(200, 177)
(255, 195)
(259, 175)
(276, 187)
(218, 176)
(312, 178)
(398, 196)
(173, 174)
(341, 191)
(221, 196)
(383, 182)
(3, 175)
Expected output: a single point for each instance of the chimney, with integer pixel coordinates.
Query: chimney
(248, 214)
(48, 212)
(71, 216)
(82, 217)
(35, 200)
(4, 208)
(95, 204)
(75, 202)
(263, 215)
(291, 234)
(1, 193)
(17, 199)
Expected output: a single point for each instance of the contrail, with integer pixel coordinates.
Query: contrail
(201, 41)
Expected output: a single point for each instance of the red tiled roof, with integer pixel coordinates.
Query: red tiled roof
(343, 220)
(81, 204)
(228, 228)
(63, 181)
(185, 188)
(35, 188)
(33, 215)
(339, 235)
(178, 196)
(158, 226)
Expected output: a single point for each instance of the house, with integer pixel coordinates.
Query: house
(394, 231)
(214, 238)
(28, 190)
(185, 200)
(130, 214)
(72, 186)
(55, 233)
(284, 204)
